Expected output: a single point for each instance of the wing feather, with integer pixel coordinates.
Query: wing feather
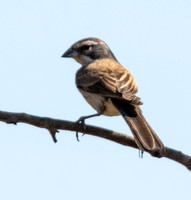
(108, 78)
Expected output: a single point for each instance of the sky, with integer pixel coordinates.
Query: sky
(151, 39)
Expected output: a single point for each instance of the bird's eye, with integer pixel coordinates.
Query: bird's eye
(86, 47)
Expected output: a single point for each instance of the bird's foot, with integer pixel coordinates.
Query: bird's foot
(81, 121)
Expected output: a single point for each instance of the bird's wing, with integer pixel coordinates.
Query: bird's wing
(110, 79)
(126, 85)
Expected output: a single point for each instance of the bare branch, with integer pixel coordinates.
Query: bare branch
(53, 125)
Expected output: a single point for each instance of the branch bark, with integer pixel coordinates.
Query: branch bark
(53, 125)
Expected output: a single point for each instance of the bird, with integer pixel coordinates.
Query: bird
(111, 90)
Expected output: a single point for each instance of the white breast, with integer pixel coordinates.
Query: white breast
(98, 103)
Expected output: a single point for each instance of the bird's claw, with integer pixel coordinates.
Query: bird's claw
(81, 121)
(77, 137)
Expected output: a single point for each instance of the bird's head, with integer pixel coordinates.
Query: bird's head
(88, 50)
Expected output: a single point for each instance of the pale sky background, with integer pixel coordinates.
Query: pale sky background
(150, 38)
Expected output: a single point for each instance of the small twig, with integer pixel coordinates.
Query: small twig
(53, 132)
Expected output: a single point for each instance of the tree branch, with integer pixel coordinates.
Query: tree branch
(53, 125)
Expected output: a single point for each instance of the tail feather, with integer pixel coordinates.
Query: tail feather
(145, 138)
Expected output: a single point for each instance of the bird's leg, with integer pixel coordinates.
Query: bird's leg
(82, 119)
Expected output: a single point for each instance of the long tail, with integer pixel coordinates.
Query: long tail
(145, 138)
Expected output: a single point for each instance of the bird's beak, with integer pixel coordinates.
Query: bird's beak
(70, 53)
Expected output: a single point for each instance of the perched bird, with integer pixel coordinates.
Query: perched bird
(111, 90)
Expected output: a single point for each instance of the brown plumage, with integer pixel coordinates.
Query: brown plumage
(111, 90)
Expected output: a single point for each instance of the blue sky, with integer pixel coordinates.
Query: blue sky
(151, 39)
